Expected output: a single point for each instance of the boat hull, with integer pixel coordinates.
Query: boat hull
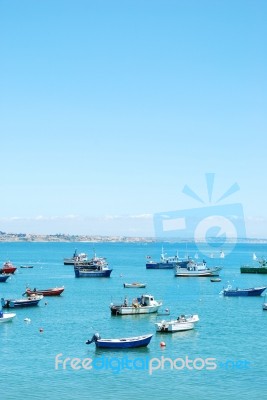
(8, 270)
(253, 270)
(124, 310)
(188, 274)
(124, 343)
(134, 285)
(7, 317)
(243, 292)
(87, 273)
(20, 303)
(46, 292)
(4, 277)
(159, 265)
(182, 323)
(171, 328)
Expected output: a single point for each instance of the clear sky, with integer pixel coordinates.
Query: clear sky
(110, 107)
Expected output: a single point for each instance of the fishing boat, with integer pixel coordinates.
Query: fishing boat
(182, 323)
(166, 262)
(6, 317)
(197, 270)
(45, 292)
(8, 268)
(4, 277)
(121, 343)
(229, 291)
(93, 263)
(100, 272)
(28, 302)
(134, 285)
(146, 304)
(260, 269)
(77, 257)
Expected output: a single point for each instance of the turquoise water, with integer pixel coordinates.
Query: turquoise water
(231, 331)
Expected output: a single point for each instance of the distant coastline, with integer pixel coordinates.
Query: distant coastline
(23, 237)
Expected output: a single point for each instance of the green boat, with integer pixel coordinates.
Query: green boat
(261, 269)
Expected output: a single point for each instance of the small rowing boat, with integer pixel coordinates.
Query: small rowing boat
(45, 292)
(6, 317)
(121, 343)
(134, 285)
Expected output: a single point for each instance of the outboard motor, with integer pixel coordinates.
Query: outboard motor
(95, 338)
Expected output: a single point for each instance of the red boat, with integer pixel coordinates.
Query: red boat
(8, 268)
(45, 292)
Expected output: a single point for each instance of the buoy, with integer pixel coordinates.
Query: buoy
(162, 344)
(41, 330)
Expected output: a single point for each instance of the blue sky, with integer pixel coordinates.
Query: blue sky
(109, 108)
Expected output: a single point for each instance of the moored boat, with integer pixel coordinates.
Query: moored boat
(92, 273)
(92, 263)
(182, 323)
(120, 343)
(146, 304)
(197, 270)
(134, 285)
(77, 257)
(6, 317)
(260, 269)
(8, 268)
(229, 291)
(96, 267)
(215, 280)
(45, 292)
(166, 262)
(28, 302)
(4, 277)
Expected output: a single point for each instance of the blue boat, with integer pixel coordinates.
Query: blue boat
(122, 343)
(28, 302)
(92, 273)
(4, 277)
(229, 291)
(166, 262)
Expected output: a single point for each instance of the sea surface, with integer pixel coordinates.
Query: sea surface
(46, 357)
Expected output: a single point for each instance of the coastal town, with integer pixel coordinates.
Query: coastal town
(61, 237)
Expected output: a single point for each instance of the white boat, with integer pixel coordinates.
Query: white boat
(134, 285)
(146, 304)
(182, 323)
(6, 317)
(264, 306)
(197, 270)
(77, 257)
